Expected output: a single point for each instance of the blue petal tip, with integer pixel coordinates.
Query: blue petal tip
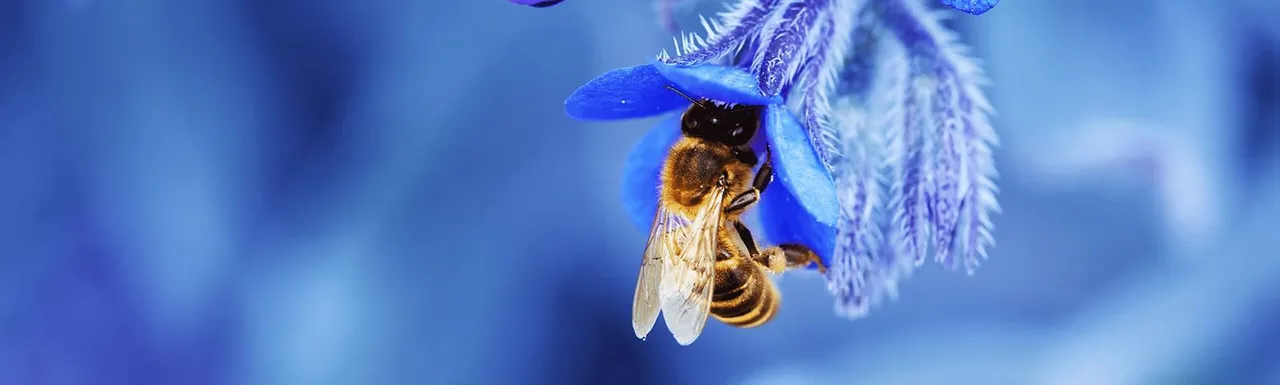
(972, 7)
(717, 82)
(798, 167)
(784, 221)
(624, 93)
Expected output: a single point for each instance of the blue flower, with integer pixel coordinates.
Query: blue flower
(889, 161)
(537, 3)
(801, 209)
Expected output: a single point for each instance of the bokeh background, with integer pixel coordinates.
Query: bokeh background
(388, 192)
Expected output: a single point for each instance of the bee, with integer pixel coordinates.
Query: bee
(700, 259)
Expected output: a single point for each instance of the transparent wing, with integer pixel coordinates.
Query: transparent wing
(687, 278)
(659, 248)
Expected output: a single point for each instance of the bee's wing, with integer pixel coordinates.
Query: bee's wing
(659, 248)
(688, 278)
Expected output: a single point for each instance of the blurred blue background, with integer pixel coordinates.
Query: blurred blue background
(388, 192)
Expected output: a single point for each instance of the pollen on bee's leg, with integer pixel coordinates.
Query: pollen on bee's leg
(798, 256)
(774, 259)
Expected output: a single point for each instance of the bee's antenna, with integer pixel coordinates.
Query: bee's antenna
(686, 96)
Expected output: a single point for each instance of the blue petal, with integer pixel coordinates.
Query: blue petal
(642, 169)
(717, 82)
(785, 221)
(537, 3)
(797, 166)
(632, 92)
(972, 7)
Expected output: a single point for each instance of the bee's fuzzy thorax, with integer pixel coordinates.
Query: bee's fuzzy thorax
(690, 171)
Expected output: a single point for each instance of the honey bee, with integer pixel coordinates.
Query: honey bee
(700, 259)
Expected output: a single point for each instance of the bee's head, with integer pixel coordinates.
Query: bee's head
(733, 125)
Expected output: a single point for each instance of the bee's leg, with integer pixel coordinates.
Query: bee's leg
(762, 179)
(765, 174)
(772, 258)
(790, 256)
(745, 234)
(742, 201)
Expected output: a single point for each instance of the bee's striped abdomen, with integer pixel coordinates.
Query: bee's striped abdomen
(743, 296)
